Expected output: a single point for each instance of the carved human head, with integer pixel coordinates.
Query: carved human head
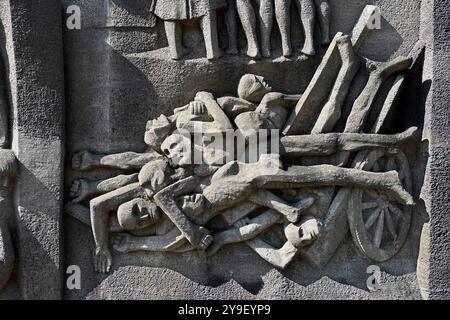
(155, 176)
(156, 131)
(8, 171)
(138, 214)
(178, 149)
(253, 88)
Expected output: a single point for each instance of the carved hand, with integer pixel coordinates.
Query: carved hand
(102, 260)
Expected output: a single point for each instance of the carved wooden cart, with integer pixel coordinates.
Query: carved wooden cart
(379, 224)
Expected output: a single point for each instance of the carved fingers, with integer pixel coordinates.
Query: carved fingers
(197, 108)
(102, 260)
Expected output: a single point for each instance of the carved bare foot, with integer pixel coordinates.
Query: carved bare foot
(84, 160)
(253, 52)
(287, 50)
(121, 242)
(308, 49)
(79, 190)
(102, 260)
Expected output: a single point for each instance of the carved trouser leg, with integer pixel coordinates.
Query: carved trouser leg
(265, 18)
(209, 28)
(231, 21)
(308, 15)
(174, 38)
(283, 16)
(324, 15)
(248, 19)
(6, 254)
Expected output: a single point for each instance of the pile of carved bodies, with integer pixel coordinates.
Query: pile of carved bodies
(314, 187)
(256, 17)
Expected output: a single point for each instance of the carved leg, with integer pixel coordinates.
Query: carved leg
(308, 17)
(268, 199)
(265, 18)
(231, 21)
(6, 254)
(331, 112)
(324, 15)
(248, 19)
(244, 230)
(362, 105)
(209, 28)
(328, 175)
(332, 143)
(174, 38)
(283, 16)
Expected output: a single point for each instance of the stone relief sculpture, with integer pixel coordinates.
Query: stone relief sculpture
(256, 18)
(8, 171)
(166, 201)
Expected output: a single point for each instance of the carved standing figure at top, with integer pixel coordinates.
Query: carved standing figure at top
(248, 19)
(308, 12)
(174, 11)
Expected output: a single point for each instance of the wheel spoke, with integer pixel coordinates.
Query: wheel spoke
(372, 218)
(379, 230)
(390, 165)
(372, 193)
(390, 224)
(369, 205)
(376, 167)
(395, 210)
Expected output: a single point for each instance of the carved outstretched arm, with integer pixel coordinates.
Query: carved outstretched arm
(164, 243)
(270, 200)
(86, 160)
(100, 208)
(221, 121)
(279, 258)
(280, 99)
(82, 189)
(244, 230)
(165, 199)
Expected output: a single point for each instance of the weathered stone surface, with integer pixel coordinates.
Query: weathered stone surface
(220, 149)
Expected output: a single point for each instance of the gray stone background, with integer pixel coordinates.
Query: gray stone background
(118, 75)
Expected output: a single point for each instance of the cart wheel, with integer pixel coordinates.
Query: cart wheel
(378, 223)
